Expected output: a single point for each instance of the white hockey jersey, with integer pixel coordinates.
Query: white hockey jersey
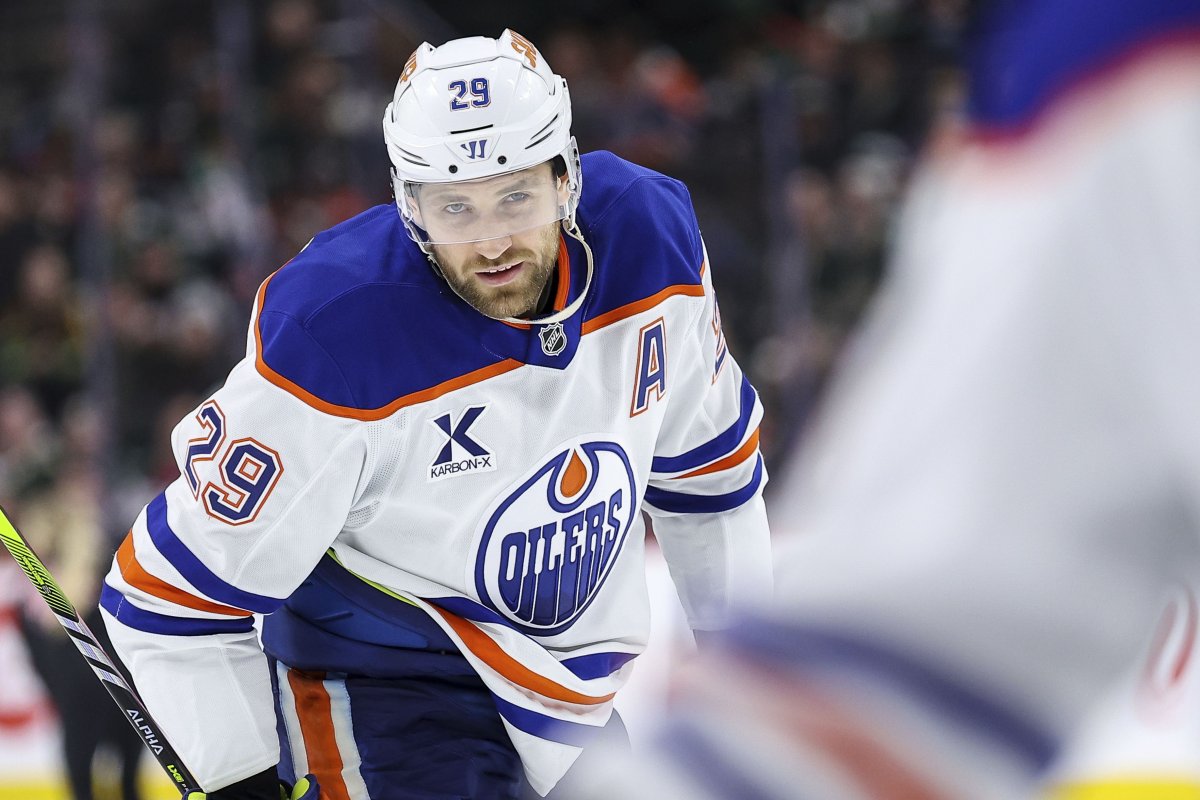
(491, 474)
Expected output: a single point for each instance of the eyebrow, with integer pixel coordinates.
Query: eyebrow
(526, 181)
(447, 196)
(522, 182)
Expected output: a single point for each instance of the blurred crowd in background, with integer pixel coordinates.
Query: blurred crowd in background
(159, 159)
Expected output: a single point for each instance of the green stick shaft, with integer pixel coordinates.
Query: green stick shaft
(97, 658)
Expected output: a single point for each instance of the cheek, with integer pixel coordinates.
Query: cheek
(544, 244)
(450, 258)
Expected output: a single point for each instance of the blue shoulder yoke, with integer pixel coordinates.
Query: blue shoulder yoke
(359, 325)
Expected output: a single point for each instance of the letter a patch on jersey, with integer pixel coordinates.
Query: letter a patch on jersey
(461, 453)
(650, 370)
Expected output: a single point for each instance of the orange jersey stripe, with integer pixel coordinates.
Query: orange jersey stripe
(136, 576)
(879, 771)
(512, 670)
(813, 720)
(630, 309)
(743, 453)
(315, 713)
(368, 414)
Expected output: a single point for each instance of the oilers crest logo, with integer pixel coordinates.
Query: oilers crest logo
(551, 542)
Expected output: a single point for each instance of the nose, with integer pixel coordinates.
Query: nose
(493, 248)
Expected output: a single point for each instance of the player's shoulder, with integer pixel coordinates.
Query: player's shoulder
(643, 231)
(351, 324)
(620, 192)
(369, 249)
(1027, 58)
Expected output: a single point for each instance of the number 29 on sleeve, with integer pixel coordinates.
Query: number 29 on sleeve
(245, 476)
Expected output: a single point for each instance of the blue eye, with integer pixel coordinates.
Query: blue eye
(516, 197)
(455, 208)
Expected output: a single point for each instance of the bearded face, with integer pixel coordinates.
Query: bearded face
(496, 240)
(502, 277)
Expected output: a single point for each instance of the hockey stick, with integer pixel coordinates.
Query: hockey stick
(94, 654)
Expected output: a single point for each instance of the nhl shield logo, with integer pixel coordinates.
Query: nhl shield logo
(554, 338)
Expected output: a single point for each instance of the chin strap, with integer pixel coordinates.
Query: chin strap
(572, 230)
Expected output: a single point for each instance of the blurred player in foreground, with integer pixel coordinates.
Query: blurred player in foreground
(1003, 495)
(431, 468)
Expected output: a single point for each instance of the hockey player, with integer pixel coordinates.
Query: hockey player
(1003, 494)
(430, 470)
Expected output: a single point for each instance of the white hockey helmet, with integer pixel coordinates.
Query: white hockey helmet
(472, 110)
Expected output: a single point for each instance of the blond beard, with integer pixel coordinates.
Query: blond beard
(511, 300)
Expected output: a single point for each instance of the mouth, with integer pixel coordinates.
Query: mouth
(498, 276)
